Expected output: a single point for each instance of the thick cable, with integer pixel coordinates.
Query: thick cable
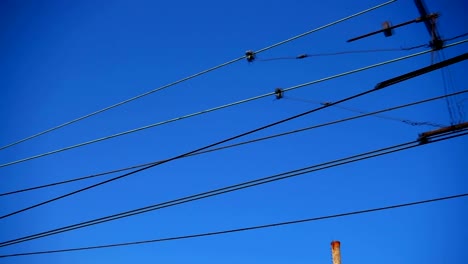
(232, 188)
(194, 75)
(191, 152)
(243, 229)
(374, 113)
(221, 107)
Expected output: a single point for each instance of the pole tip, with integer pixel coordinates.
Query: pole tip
(335, 244)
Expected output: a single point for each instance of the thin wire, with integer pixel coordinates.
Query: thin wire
(405, 121)
(190, 152)
(449, 87)
(303, 56)
(325, 26)
(194, 75)
(446, 91)
(232, 188)
(306, 55)
(220, 107)
(457, 37)
(243, 229)
(239, 144)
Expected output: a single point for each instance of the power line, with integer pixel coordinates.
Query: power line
(246, 228)
(221, 107)
(405, 121)
(243, 229)
(181, 156)
(232, 188)
(306, 55)
(192, 152)
(456, 37)
(364, 114)
(449, 87)
(195, 75)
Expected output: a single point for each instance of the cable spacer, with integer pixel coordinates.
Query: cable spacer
(250, 55)
(279, 93)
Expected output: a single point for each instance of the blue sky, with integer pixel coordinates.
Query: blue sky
(64, 59)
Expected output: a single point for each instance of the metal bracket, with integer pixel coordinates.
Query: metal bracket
(279, 93)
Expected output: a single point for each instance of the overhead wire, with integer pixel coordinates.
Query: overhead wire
(194, 75)
(457, 107)
(449, 101)
(307, 55)
(193, 151)
(364, 114)
(243, 229)
(221, 107)
(456, 37)
(240, 186)
(355, 110)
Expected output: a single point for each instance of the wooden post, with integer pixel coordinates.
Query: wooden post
(336, 254)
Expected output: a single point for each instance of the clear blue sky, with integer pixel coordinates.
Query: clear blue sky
(63, 59)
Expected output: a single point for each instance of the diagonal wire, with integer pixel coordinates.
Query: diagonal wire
(192, 152)
(194, 75)
(232, 188)
(306, 55)
(222, 106)
(243, 229)
(405, 121)
(238, 144)
(197, 150)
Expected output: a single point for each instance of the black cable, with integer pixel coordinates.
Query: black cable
(190, 152)
(364, 114)
(232, 188)
(241, 229)
(457, 37)
(217, 108)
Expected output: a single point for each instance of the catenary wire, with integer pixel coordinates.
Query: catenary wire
(405, 121)
(221, 107)
(160, 162)
(195, 75)
(307, 55)
(243, 229)
(193, 151)
(448, 101)
(232, 188)
(241, 143)
(456, 37)
(448, 82)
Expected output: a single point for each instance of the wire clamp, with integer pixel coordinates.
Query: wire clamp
(250, 55)
(387, 29)
(279, 93)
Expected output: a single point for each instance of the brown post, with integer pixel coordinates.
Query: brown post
(336, 254)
